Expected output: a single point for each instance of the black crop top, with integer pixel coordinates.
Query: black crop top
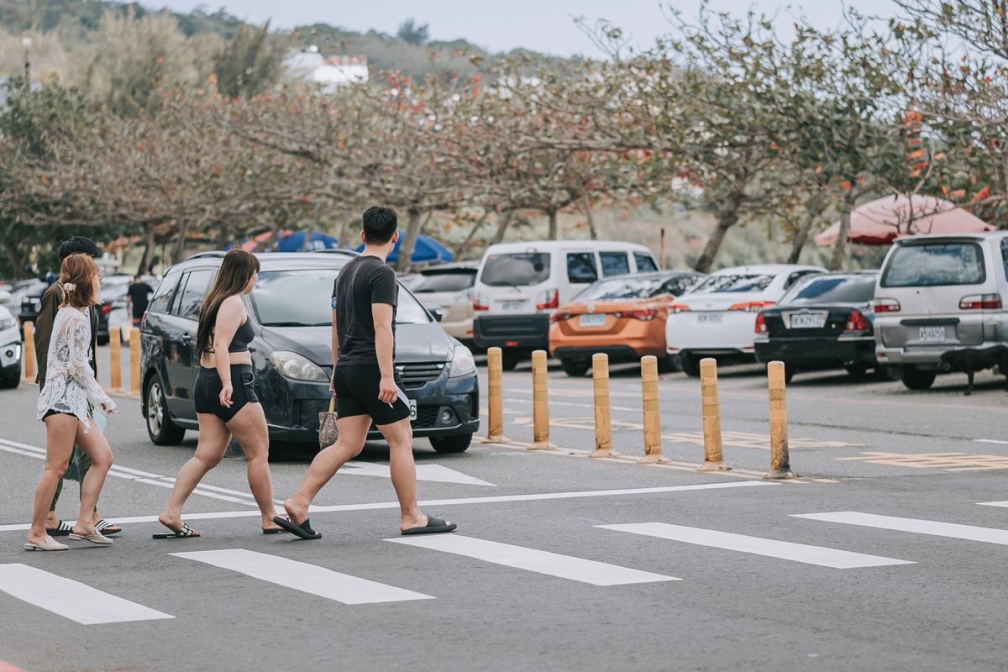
(242, 337)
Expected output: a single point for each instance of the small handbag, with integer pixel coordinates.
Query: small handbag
(327, 431)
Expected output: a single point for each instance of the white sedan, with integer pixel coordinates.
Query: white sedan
(717, 318)
(10, 349)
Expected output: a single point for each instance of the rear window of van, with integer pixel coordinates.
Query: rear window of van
(934, 265)
(519, 269)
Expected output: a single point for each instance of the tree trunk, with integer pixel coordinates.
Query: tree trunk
(502, 226)
(727, 218)
(150, 245)
(12, 258)
(413, 228)
(181, 245)
(815, 208)
(464, 245)
(552, 225)
(840, 247)
(592, 231)
(344, 234)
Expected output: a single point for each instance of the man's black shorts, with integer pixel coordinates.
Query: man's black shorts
(356, 388)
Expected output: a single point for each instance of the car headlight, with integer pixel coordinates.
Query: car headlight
(293, 365)
(8, 323)
(462, 362)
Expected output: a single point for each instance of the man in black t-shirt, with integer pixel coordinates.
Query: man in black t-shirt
(364, 302)
(138, 298)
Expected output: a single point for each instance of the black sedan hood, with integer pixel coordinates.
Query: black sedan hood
(414, 342)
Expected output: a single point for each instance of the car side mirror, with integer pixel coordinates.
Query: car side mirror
(436, 311)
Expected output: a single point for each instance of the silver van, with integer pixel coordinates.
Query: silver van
(939, 305)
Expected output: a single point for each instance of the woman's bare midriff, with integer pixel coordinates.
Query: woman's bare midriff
(209, 361)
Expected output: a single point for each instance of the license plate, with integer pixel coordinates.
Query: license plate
(512, 306)
(412, 409)
(932, 334)
(806, 321)
(710, 317)
(592, 320)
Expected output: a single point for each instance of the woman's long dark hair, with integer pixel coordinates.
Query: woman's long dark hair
(235, 272)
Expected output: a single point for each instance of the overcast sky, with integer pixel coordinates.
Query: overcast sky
(545, 26)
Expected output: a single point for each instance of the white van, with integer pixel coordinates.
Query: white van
(519, 284)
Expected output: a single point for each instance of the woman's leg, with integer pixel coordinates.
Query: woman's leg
(249, 428)
(213, 441)
(93, 444)
(60, 432)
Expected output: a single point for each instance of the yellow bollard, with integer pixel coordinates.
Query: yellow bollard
(603, 412)
(134, 341)
(115, 353)
(711, 411)
(780, 462)
(652, 412)
(495, 396)
(28, 352)
(540, 403)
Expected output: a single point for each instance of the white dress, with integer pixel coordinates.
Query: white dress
(70, 383)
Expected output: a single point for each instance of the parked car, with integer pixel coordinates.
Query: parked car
(113, 294)
(10, 349)
(291, 353)
(26, 297)
(622, 317)
(823, 322)
(519, 285)
(717, 318)
(450, 287)
(939, 305)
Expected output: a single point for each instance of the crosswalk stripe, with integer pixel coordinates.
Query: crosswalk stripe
(543, 562)
(304, 577)
(785, 550)
(71, 599)
(933, 527)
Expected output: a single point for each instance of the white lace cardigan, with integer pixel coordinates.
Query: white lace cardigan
(70, 383)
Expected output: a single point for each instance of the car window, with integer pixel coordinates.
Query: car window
(620, 288)
(197, 282)
(935, 264)
(645, 264)
(164, 293)
(516, 269)
(733, 284)
(272, 305)
(832, 289)
(581, 268)
(796, 276)
(614, 263)
(679, 284)
(1004, 255)
(448, 281)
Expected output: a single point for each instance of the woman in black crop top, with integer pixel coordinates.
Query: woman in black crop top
(226, 402)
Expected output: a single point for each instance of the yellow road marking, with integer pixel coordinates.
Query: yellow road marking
(943, 461)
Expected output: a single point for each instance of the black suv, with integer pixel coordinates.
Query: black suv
(290, 311)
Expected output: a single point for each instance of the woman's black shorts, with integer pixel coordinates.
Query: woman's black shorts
(208, 388)
(356, 388)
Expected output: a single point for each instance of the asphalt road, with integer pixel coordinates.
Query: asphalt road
(885, 554)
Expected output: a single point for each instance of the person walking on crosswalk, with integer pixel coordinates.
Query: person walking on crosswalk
(364, 300)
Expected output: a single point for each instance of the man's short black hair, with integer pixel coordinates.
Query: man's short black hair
(78, 245)
(380, 223)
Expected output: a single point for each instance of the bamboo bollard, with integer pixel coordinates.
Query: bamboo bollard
(115, 354)
(28, 352)
(711, 411)
(780, 462)
(603, 411)
(134, 341)
(495, 396)
(540, 403)
(652, 413)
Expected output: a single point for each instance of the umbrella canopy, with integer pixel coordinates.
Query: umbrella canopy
(879, 222)
(425, 250)
(295, 242)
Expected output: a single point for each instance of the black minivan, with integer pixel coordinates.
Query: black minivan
(290, 311)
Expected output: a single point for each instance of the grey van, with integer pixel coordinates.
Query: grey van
(939, 305)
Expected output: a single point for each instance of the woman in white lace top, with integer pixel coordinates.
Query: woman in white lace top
(63, 405)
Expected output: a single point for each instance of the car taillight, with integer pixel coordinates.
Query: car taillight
(548, 300)
(981, 302)
(481, 302)
(106, 309)
(751, 306)
(886, 306)
(560, 317)
(761, 327)
(642, 315)
(856, 321)
(678, 308)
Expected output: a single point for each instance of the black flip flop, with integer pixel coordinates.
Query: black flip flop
(185, 533)
(62, 530)
(433, 526)
(304, 530)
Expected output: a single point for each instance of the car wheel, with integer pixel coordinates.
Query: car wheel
(789, 372)
(668, 364)
(690, 365)
(11, 379)
(918, 379)
(102, 340)
(887, 373)
(451, 444)
(509, 362)
(857, 371)
(576, 368)
(160, 428)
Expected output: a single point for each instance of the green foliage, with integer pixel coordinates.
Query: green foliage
(249, 64)
(410, 33)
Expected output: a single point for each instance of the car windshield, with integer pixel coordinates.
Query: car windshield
(934, 264)
(851, 289)
(443, 281)
(733, 284)
(518, 269)
(621, 288)
(271, 299)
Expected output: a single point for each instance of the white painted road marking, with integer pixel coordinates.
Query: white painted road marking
(302, 576)
(424, 472)
(70, 599)
(932, 527)
(543, 562)
(785, 550)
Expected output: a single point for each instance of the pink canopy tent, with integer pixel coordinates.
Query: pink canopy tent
(879, 222)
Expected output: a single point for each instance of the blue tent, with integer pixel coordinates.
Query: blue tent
(426, 250)
(295, 242)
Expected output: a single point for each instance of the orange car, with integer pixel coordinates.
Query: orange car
(623, 317)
